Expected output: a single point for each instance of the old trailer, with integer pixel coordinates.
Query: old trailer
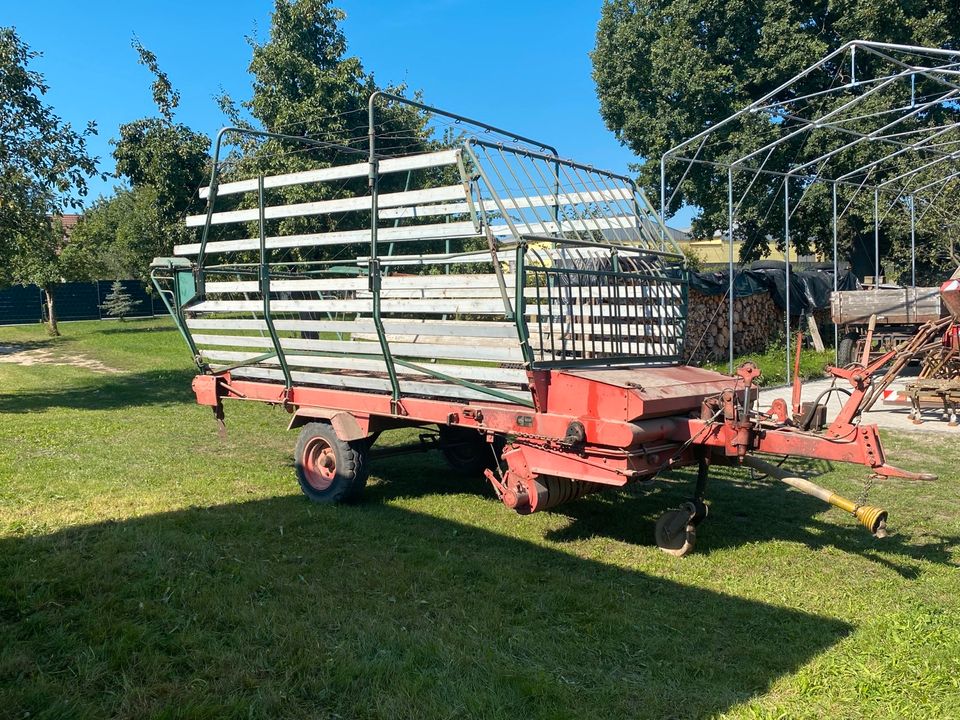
(529, 308)
(884, 317)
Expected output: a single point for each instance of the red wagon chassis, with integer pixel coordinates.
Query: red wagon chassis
(531, 308)
(595, 428)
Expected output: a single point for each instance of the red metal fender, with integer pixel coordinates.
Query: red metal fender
(207, 389)
(347, 426)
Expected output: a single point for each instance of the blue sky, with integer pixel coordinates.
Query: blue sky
(520, 65)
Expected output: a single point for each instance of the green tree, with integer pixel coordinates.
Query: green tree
(118, 303)
(44, 168)
(305, 84)
(118, 236)
(165, 156)
(36, 258)
(667, 69)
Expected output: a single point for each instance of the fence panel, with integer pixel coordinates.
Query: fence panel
(22, 305)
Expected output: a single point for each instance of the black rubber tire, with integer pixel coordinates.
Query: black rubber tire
(467, 451)
(683, 541)
(341, 482)
(845, 350)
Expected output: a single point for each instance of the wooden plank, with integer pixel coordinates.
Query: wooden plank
(420, 328)
(389, 282)
(428, 260)
(326, 207)
(815, 333)
(408, 233)
(472, 373)
(468, 286)
(614, 222)
(891, 306)
(343, 237)
(440, 306)
(354, 382)
(664, 333)
(577, 346)
(504, 352)
(340, 172)
(440, 339)
(460, 306)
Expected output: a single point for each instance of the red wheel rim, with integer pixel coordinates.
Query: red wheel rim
(319, 464)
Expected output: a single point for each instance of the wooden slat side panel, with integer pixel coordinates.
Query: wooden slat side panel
(562, 201)
(479, 374)
(340, 172)
(504, 352)
(345, 237)
(439, 306)
(404, 234)
(455, 306)
(326, 207)
(354, 382)
(392, 283)
(419, 328)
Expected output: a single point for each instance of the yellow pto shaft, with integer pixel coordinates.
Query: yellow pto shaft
(872, 518)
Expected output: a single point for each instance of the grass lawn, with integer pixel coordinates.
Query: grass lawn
(149, 569)
(772, 364)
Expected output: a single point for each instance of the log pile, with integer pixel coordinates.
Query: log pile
(756, 321)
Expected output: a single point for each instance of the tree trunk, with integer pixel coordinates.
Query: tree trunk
(51, 312)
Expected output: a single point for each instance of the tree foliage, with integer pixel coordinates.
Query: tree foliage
(668, 69)
(118, 236)
(44, 168)
(305, 84)
(163, 159)
(44, 162)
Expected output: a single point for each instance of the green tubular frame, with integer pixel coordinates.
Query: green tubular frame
(516, 313)
(520, 306)
(265, 290)
(176, 312)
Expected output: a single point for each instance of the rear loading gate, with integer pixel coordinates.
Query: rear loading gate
(530, 307)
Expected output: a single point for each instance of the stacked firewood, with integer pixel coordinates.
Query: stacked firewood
(756, 320)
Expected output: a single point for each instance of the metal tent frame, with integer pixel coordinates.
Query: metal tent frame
(904, 99)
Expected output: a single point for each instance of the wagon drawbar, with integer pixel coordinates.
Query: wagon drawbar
(530, 307)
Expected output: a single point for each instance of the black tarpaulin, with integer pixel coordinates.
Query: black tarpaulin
(809, 289)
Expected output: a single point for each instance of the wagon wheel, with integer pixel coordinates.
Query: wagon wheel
(845, 351)
(676, 530)
(329, 470)
(467, 451)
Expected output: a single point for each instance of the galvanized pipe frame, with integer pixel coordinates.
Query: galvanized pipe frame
(160, 276)
(521, 239)
(905, 70)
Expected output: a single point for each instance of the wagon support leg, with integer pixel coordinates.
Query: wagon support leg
(676, 530)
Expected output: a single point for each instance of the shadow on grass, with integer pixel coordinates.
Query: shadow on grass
(132, 325)
(742, 511)
(280, 607)
(105, 392)
(50, 343)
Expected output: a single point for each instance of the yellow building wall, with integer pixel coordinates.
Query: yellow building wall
(718, 251)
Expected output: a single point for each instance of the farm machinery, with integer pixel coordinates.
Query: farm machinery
(528, 309)
(938, 381)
